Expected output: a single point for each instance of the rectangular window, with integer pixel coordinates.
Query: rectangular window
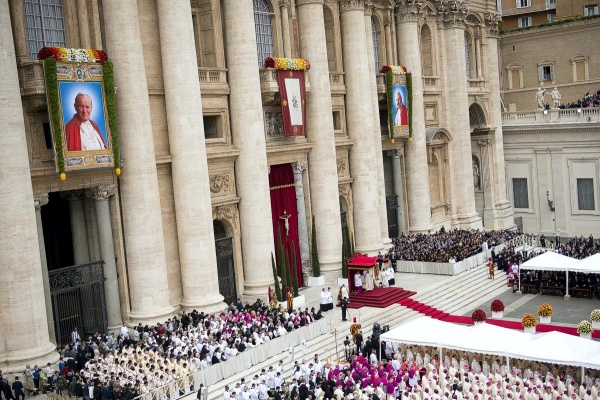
(515, 76)
(47, 136)
(585, 194)
(546, 73)
(590, 9)
(523, 3)
(520, 193)
(337, 120)
(550, 4)
(44, 24)
(551, 17)
(579, 71)
(524, 22)
(211, 127)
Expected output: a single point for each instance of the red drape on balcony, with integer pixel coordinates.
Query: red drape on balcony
(283, 198)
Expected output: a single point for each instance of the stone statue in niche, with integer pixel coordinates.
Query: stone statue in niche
(274, 122)
(476, 175)
(556, 97)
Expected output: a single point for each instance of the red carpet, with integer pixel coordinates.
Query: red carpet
(461, 319)
(379, 297)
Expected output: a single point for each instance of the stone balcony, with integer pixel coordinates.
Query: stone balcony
(477, 85)
(336, 80)
(567, 116)
(431, 83)
(269, 85)
(213, 79)
(31, 78)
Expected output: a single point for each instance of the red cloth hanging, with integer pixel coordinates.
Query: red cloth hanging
(283, 198)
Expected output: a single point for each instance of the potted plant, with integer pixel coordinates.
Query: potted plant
(529, 322)
(595, 318)
(497, 309)
(478, 316)
(545, 312)
(585, 329)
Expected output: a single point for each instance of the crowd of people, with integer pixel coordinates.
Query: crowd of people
(135, 361)
(446, 246)
(588, 100)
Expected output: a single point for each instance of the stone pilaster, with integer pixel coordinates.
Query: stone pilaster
(359, 121)
(248, 131)
(451, 16)
(284, 6)
(398, 188)
(84, 24)
(101, 194)
(40, 200)
(191, 187)
(388, 41)
(503, 211)
(298, 168)
(485, 147)
(140, 195)
(81, 251)
(322, 169)
(417, 172)
(377, 148)
(24, 324)
(17, 15)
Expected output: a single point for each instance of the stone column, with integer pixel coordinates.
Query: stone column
(503, 212)
(17, 15)
(248, 131)
(478, 53)
(140, 195)
(323, 178)
(388, 41)
(284, 6)
(40, 200)
(84, 24)
(298, 168)
(191, 186)
(81, 251)
(452, 17)
(24, 323)
(486, 178)
(377, 148)
(398, 188)
(417, 171)
(101, 195)
(359, 120)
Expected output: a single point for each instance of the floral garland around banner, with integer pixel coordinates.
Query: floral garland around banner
(545, 310)
(390, 71)
(585, 328)
(528, 320)
(287, 64)
(49, 56)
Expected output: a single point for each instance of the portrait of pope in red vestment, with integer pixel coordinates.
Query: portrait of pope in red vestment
(82, 133)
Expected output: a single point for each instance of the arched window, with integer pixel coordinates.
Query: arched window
(45, 25)
(468, 54)
(375, 37)
(264, 30)
(426, 51)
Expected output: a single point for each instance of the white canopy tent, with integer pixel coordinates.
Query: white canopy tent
(550, 261)
(551, 347)
(590, 265)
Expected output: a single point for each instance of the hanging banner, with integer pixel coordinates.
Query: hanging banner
(81, 106)
(399, 99)
(293, 102)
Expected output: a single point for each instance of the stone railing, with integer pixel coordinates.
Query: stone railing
(31, 78)
(212, 78)
(336, 80)
(430, 82)
(477, 84)
(570, 115)
(269, 84)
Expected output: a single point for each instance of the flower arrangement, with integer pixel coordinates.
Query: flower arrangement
(478, 315)
(497, 306)
(72, 55)
(595, 315)
(585, 328)
(545, 310)
(396, 70)
(528, 320)
(287, 64)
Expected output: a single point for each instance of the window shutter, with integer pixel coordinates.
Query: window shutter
(518, 3)
(552, 72)
(541, 74)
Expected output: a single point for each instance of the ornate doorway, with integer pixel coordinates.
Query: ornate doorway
(78, 300)
(225, 264)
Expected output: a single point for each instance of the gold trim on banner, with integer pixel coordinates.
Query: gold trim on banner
(282, 186)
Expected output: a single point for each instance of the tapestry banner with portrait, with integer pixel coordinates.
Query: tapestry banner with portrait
(292, 92)
(81, 105)
(399, 100)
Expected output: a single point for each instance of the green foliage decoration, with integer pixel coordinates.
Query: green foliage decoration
(51, 79)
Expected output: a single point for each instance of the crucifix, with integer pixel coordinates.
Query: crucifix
(285, 217)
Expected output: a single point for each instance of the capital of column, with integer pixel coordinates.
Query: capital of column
(408, 11)
(453, 13)
(40, 200)
(73, 195)
(303, 2)
(284, 3)
(491, 21)
(352, 5)
(369, 8)
(101, 192)
(396, 153)
(299, 166)
(484, 142)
